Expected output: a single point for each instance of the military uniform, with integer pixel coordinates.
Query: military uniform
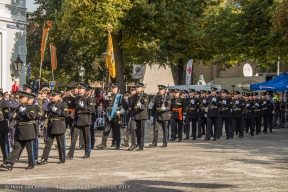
(160, 115)
(257, 113)
(248, 116)
(192, 107)
(4, 128)
(82, 122)
(276, 109)
(225, 115)
(45, 111)
(270, 111)
(13, 104)
(25, 134)
(202, 120)
(57, 112)
(70, 101)
(265, 112)
(178, 113)
(237, 116)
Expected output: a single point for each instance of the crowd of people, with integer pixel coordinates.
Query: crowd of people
(24, 114)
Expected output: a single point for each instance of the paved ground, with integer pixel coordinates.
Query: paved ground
(258, 163)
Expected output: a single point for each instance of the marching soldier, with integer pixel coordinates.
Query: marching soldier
(248, 115)
(140, 113)
(257, 112)
(171, 95)
(13, 104)
(70, 100)
(178, 113)
(57, 112)
(24, 134)
(212, 114)
(114, 106)
(82, 120)
(225, 113)
(237, 115)
(193, 105)
(270, 110)
(265, 112)
(4, 128)
(160, 115)
(202, 120)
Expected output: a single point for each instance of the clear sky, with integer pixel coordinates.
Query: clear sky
(31, 6)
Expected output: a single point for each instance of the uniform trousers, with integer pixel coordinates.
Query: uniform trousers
(194, 127)
(237, 126)
(212, 121)
(113, 124)
(226, 121)
(157, 125)
(85, 130)
(18, 147)
(248, 123)
(202, 124)
(257, 123)
(140, 133)
(4, 146)
(174, 123)
(270, 122)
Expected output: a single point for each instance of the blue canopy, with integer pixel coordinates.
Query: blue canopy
(279, 83)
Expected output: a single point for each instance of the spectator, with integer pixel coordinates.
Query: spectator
(1, 90)
(6, 96)
(16, 86)
(35, 86)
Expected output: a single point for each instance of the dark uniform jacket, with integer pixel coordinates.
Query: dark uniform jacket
(109, 104)
(270, 106)
(25, 129)
(178, 103)
(38, 117)
(57, 118)
(213, 107)
(157, 112)
(237, 109)
(257, 111)
(248, 111)
(140, 113)
(192, 109)
(83, 115)
(202, 107)
(225, 110)
(265, 111)
(130, 104)
(4, 115)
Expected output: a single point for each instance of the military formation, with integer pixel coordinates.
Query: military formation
(189, 114)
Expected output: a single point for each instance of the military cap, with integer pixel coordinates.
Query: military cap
(236, 93)
(133, 88)
(55, 92)
(23, 94)
(250, 94)
(197, 92)
(245, 94)
(208, 92)
(214, 89)
(177, 91)
(192, 90)
(138, 84)
(82, 86)
(26, 86)
(6, 92)
(263, 93)
(171, 90)
(32, 95)
(68, 89)
(254, 93)
(89, 87)
(184, 91)
(114, 85)
(224, 91)
(202, 91)
(269, 93)
(161, 86)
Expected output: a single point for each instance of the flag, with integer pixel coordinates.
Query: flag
(54, 62)
(189, 72)
(45, 38)
(110, 60)
(29, 71)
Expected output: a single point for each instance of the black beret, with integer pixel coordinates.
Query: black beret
(214, 89)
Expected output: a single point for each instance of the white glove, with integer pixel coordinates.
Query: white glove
(21, 109)
(205, 115)
(237, 102)
(138, 104)
(109, 94)
(81, 104)
(163, 108)
(265, 102)
(204, 101)
(214, 99)
(54, 109)
(152, 118)
(192, 102)
(118, 112)
(36, 104)
(257, 105)
(224, 102)
(184, 118)
(106, 97)
(247, 105)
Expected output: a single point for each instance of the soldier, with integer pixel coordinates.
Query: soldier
(237, 115)
(82, 120)
(171, 95)
(248, 115)
(4, 128)
(265, 112)
(114, 106)
(225, 114)
(202, 120)
(140, 113)
(192, 107)
(46, 101)
(276, 109)
(270, 110)
(178, 113)
(57, 112)
(27, 88)
(70, 100)
(160, 115)
(24, 134)
(257, 112)
(13, 104)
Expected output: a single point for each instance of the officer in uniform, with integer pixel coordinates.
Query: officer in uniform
(212, 114)
(248, 114)
(202, 120)
(140, 113)
(257, 112)
(237, 115)
(178, 113)
(225, 114)
(171, 95)
(192, 106)
(45, 103)
(82, 120)
(270, 110)
(57, 112)
(114, 107)
(70, 100)
(24, 133)
(4, 128)
(160, 115)
(13, 104)
(265, 112)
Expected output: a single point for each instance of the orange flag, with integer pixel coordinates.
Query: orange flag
(110, 60)
(54, 62)
(45, 38)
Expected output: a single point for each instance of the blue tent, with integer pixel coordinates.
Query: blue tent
(279, 83)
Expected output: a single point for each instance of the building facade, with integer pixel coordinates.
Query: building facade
(12, 41)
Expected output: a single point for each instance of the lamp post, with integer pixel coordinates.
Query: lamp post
(18, 66)
(82, 72)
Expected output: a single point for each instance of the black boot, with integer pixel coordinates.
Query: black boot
(42, 162)
(7, 166)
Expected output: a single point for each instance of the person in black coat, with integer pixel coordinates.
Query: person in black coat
(237, 115)
(4, 128)
(192, 107)
(270, 107)
(225, 113)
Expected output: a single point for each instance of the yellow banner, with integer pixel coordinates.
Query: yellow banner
(110, 60)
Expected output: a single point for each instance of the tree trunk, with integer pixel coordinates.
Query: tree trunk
(119, 62)
(180, 72)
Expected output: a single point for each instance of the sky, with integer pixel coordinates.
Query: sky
(31, 6)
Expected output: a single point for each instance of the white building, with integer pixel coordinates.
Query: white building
(12, 41)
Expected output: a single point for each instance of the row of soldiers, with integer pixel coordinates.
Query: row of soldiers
(204, 108)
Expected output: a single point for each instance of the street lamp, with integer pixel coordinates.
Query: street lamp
(18, 65)
(82, 72)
